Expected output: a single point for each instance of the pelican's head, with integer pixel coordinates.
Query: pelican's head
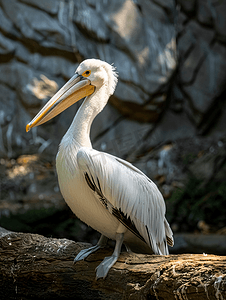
(90, 75)
(99, 73)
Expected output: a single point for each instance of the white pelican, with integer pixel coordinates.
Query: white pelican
(107, 193)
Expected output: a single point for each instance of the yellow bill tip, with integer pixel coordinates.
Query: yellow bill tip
(28, 127)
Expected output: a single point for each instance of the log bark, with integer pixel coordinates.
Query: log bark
(35, 267)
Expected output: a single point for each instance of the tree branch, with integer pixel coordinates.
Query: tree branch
(35, 267)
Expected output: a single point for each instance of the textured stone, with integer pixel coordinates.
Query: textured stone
(187, 6)
(167, 4)
(180, 23)
(122, 138)
(218, 130)
(131, 93)
(27, 83)
(177, 99)
(49, 39)
(91, 21)
(168, 89)
(137, 34)
(34, 24)
(206, 12)
(6, 46)
(52, 64)
(102, 124)
(6, 25)
(7, 109)
(220, 20)
(194, 36)
(12, 118)
(200, 42)
(185, 42)
(50, 6)
(211, 77)
(204, 167)
(172, 127)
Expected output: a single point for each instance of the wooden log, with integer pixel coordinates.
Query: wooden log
(35, 267)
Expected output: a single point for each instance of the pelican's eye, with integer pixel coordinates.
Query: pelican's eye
(86, 73)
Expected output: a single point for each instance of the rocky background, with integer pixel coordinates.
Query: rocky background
(167, 116)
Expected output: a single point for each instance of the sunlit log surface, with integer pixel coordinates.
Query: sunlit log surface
(35, 267)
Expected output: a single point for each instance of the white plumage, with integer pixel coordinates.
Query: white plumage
(106, 192)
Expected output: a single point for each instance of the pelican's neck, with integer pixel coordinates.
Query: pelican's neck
(79, 131)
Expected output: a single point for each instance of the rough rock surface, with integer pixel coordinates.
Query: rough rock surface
(41, 44)
(171, 64)
(168, 113)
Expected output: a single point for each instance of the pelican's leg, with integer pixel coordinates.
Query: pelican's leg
(86, 252)
(108, 262)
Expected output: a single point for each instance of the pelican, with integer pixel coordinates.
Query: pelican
(105, 192)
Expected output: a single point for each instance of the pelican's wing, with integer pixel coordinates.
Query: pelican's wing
(129, 195)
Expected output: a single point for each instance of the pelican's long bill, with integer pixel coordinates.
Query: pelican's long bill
(75, 89)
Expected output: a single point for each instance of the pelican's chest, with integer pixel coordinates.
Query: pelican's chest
(73, 186)
(79, 196)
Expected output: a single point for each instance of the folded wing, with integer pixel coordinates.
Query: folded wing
(129, 195)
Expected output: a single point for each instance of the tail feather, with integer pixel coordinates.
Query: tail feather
(169, 234)
(163, 248)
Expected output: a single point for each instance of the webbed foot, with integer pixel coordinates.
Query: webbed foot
(86, 252)
(104, 267)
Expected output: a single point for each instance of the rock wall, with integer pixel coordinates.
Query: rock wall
(42, 44)
(168, 111)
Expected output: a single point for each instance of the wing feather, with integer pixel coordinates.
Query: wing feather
(128, 194)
